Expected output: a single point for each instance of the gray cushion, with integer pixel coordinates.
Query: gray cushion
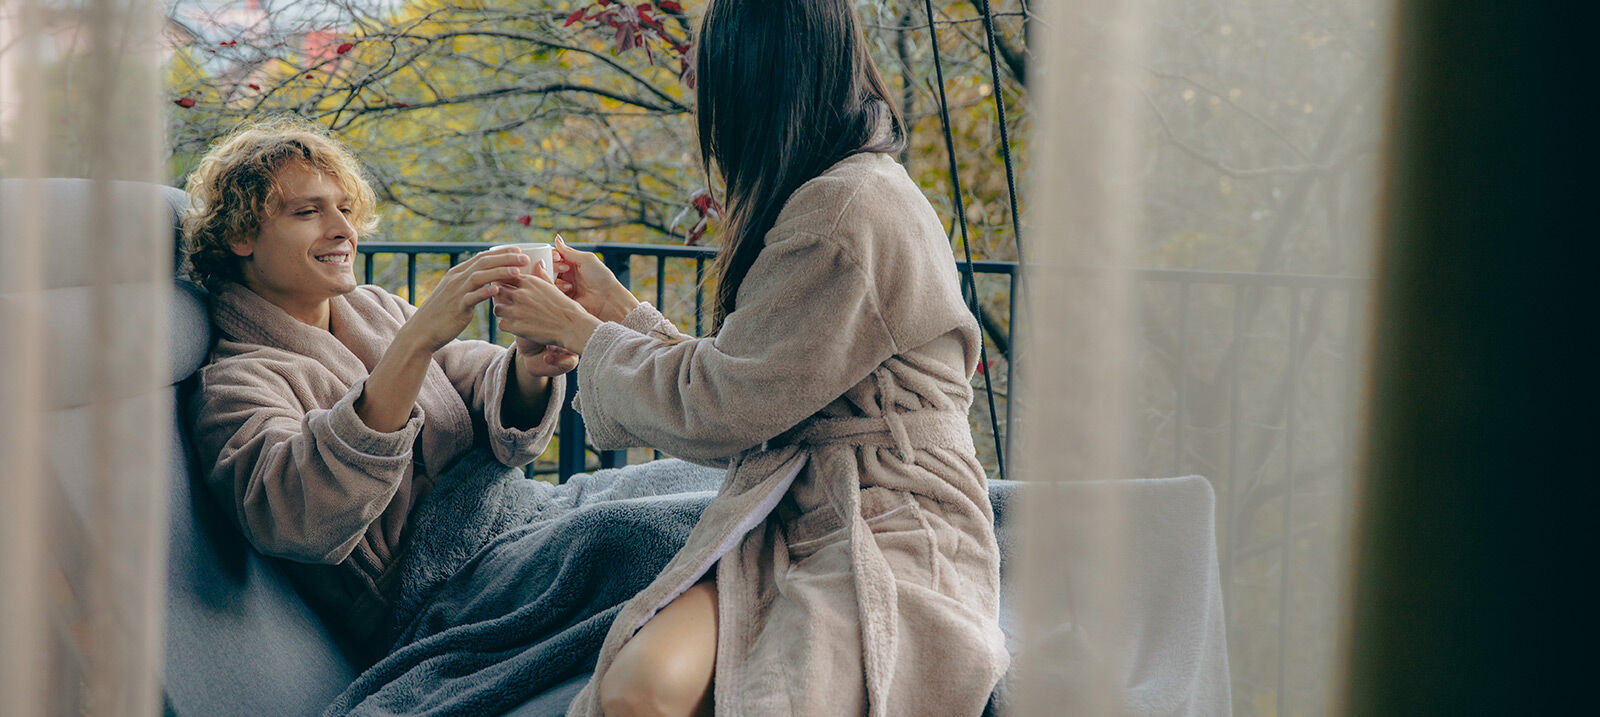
(69, 341)
(62, 205)
(190, 330)
(240, 641)
(65, 299)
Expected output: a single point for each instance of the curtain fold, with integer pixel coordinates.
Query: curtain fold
(85, 267)
(1075, 414)
(1202, 187)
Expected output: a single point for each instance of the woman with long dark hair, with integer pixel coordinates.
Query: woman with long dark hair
(848, 564)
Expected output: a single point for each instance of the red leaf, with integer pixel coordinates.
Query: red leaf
(604, 3)
(704, 203)
(401, 105)
(694, 234)
(254, 86)
(643, 8)
(346, 47)
(686, 71)
(670, 6)
(574, 17)
(184, 102)
(525, 220)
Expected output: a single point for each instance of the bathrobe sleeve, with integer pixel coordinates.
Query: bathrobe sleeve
(480, 372)
(807, 327)
(304, 485)
(854, 272)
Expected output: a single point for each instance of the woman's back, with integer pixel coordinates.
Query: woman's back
(853, 536)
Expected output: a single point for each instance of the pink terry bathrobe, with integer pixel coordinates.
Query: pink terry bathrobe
(853, 543)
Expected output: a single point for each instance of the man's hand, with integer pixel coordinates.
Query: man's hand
(392, 387)
(449, 308)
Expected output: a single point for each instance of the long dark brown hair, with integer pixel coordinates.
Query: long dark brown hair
(785, 89)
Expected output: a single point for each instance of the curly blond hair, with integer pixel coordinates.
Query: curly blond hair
(235, 189)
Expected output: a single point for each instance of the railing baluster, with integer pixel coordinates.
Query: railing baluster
(618, 263)
(661, 285)
(569, 456)
(411, 279)
(1181, 413)
(699, 293)
(616, 260)
(367, 259)
(1234, 483)
(1284, 572)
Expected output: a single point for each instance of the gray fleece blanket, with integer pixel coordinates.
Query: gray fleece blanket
(511, 584)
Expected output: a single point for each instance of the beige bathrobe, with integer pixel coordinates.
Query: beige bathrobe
(306, 479)
(853, 542)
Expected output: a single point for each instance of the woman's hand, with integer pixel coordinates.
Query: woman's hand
(535, 310)
(585, 278)
(449, 308)
(537, 360)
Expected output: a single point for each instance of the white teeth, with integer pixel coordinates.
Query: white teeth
(332, 259)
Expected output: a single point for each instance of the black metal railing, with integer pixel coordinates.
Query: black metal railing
(573, 454)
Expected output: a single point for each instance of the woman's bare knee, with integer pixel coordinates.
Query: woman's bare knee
(667, 668)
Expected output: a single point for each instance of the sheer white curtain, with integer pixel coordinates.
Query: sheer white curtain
(84, 267)
(1201, 210)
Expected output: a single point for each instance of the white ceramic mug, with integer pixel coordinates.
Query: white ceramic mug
(540, 254)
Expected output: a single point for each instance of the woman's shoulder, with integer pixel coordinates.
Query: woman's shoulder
(864, 188)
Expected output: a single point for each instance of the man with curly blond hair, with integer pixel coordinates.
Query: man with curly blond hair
(327, 410)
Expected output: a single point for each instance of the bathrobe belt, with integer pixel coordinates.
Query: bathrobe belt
(877, 596)
(928, 428)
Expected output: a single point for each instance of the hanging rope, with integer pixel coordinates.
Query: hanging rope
(966, 244)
